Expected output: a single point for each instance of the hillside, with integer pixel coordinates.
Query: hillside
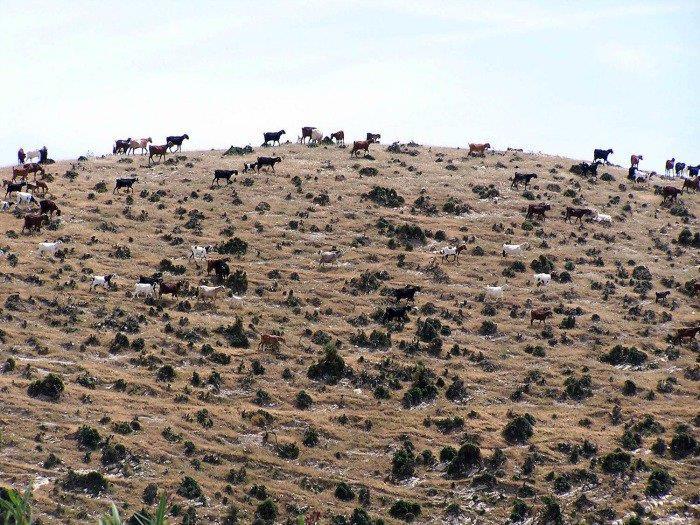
(175, 392)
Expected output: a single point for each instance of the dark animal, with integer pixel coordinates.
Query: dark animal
(13, 186)
(272, 136)
(339, 137)
(213, 263)
(670, 193)
(35, 168)
(685, 333)
(154, 279)
(43, 155)
(176, 140)
(541, 315)
(661, 296)
(577, 213)
(692, 184)
(522, 177)
(223, 174)
(396, 312)
(408, 292)
(694, 171)
(222, 270)
(34, 222)
(537, 210)
(306, 133)
(249, 166)
(669, 166)
(121, 146)
(170, 288)
(679, 168)
(49, 207)
(602, 154)
(158, 151)
(373, 137)
(267, 161)
(125, 183)
(21, 156)
(360, 145)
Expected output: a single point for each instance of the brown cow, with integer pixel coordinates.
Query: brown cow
(34, 222)
(270, 341)
(47, 206)
(360, 145)
(541, 315)
(685, 333)
(339, 136)
(479, 149)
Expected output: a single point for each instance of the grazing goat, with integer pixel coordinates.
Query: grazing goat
(213, 263)
(105, 281)
(396, 312)
(522, 177)
(125, 183)
(4, 205)
(147, 290)
(316, 136)
(670, 193)
(267, 161)
(512, 249)
(639, 176)
(170, 288)
(26, 169)
(339, 137)
(602, 217)
(692, 184)
(49, 247)
(541, 315)
(208, 292)
(154, 279)
(360, 145)
(223, 174)
(602, 154)
(661, 296)
(306, 133)
(121, 146)
(452, 251)
(47, 206)
(270, 341)
(199, 252)
(139, 144)
(34, 222)
(577, 213)
(25, 198)
(538, 210)
(272, 136)
(373, 137)
(176, 140)
(685, 333)
(478, 149)
(543, 279)
(158, 151)
(669, 166)
(408, 292)
(634, 160)
(249, 166)
(495, 292)
(680, 168)
(329, 257)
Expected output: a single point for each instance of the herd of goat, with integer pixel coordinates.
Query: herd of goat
(155, 286)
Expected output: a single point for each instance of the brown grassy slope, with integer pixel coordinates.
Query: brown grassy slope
(47, 327)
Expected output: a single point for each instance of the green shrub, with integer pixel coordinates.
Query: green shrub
(467, 458)
(519, 429)
(91, 482)
(50, 387)
(330, 369)
(405, 510)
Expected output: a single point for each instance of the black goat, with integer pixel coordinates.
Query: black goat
(408, 292)
(602, 154)
(267, 161)
(177, 140)
(522, 177)
(223, 174)
(125, 183)
(273, 136)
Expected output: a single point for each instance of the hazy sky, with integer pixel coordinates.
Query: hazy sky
(557, 77)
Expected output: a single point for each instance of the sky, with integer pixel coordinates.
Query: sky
(556, 77)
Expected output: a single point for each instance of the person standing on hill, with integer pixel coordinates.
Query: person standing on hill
(21, 156)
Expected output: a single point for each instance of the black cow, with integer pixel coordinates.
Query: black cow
(522, 177)
(125, 183)
(408, 292)
(273, 136)
(602, 154)
(267, 161)
(223, 174)
(177, 140)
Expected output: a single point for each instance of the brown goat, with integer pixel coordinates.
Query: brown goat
(541, 315)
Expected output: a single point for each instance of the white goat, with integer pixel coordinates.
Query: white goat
(543, 279)
(512, 249)
(495, 292)
(208, 292)
(105, 281)
(329, 257)
(49, 247)
(602, 217)
(147, 290)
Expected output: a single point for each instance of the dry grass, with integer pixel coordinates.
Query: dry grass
(47, 329)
